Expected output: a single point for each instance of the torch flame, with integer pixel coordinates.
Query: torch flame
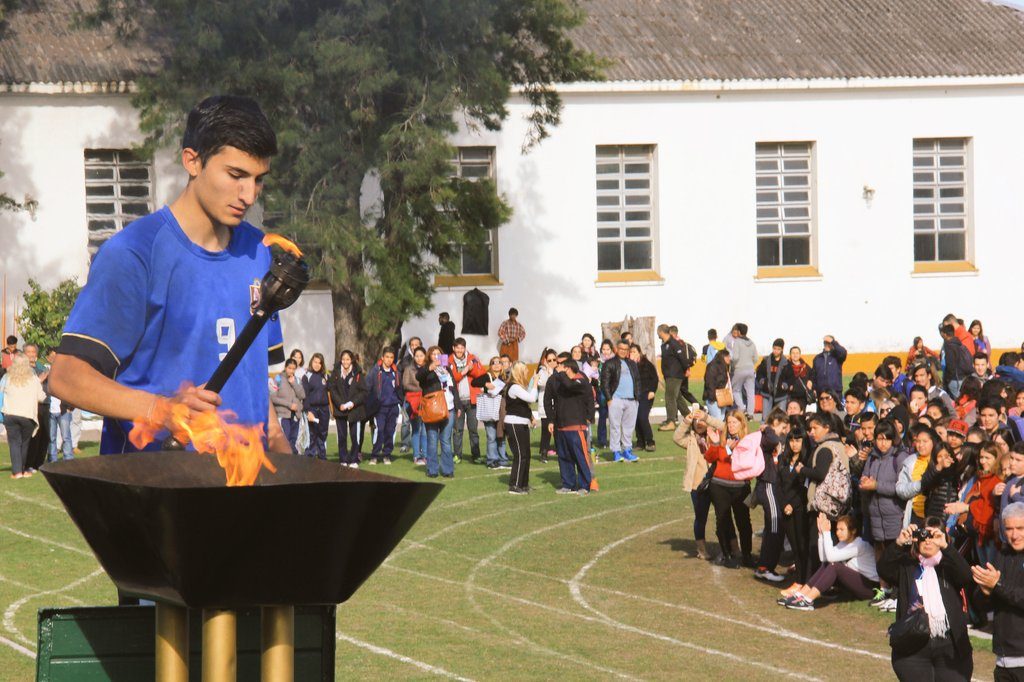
(238, 447)
(278, 240)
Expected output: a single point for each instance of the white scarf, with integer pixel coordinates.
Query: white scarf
(928, 588)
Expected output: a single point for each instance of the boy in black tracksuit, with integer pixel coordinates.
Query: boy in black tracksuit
(569, 402)
(768, 495)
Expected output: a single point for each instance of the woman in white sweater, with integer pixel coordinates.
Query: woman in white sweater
(22, 395)
(850, 562)
(519, 394)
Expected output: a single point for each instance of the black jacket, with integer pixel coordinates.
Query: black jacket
(610, 372)
(792, 490)
(775, 384)
(1007, 599)
(959, 363)
(715, 376)
(898, 566)
(446, 337)
(648, 378)
(770, 446)
(570, 402)
(674, 359)
(348, 389)
(939, 488)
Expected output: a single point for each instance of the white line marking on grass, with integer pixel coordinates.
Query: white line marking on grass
(574, 589)
(45, 541)
(38, 503)
(716, 577)
(469, 583)
(408, 545)
(17, 647)
(32, 588)
(776, 630)
(381, 651)
(12, 610)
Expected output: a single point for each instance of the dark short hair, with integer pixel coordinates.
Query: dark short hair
(445, 316)
(712, 333)
(664, 329)
(12, 339)
(229, 121)
(571, 364)
(776, 415)
(778, 343)
(887, 429)
(990, 403)
(821, 419)
(867, 417)
(513, 311)
(674, 329)
(947, 330)
(980, 356)
(741, 328)
(857, 393)
(459, 342)
(291, 361)
(387, 349)
(623, 335)
(623, 342)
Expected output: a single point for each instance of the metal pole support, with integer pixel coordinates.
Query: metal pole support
(220, 650)
(171, 643)
(277, 644)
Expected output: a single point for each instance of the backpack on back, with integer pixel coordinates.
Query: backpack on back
(832, 496)
(748, 458)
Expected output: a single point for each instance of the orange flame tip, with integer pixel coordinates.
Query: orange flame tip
(278, 240)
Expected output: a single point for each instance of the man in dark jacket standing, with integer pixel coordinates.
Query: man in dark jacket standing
(673, 369)
(959, 364)
(828, 367)
(1002, 581)
(620, 382)
(569, 403)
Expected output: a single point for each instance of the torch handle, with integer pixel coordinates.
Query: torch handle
(238, 349)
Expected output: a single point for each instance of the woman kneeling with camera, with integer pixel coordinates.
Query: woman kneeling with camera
(929, 638)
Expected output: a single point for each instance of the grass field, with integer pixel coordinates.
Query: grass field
(491, 586)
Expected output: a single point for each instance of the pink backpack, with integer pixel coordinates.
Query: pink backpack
(748, 458)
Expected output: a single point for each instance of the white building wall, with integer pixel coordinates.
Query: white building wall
(866, 295)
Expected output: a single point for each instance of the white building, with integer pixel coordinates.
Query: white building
(809, 167)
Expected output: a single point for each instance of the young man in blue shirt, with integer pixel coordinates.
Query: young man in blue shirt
(167, 295)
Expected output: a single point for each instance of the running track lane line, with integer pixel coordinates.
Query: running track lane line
(45, 541)
(12, 610)
(776, 630)
(31, 500)
(574, 589)
(17, 647)
(469, 585)
(388, 653)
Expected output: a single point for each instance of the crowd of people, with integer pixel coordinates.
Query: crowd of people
(39, 427)
(906, 489)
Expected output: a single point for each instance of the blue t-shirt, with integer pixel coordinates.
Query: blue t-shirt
(625, 387)
(159, 310)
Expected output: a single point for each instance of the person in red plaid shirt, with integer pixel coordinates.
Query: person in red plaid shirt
(510, 334)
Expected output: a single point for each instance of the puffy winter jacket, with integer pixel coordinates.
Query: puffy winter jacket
(883, 507)
(828, 369)
(715, 376)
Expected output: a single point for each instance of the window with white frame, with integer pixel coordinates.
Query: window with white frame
(476, 163)
(118, 189)
(941, 218)
(785, 203)
(625, 208)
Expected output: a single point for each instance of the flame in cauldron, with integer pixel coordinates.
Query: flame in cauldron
(278, 240)
(238, 447)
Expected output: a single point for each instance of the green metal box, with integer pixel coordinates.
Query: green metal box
(116, 644)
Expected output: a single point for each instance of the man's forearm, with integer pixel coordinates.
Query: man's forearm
(78, 383)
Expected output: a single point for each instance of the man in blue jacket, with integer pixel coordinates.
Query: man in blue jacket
(828, 367)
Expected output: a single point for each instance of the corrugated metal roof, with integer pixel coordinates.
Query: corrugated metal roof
(645, 40)
(42, 41)
(653, 40)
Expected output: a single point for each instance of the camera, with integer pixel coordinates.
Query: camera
(921, 534)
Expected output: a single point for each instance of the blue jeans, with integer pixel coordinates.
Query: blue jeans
(441, 431)
(418, 438)
(62, 423)
(715, 411)
(701, 506)
(954, 388)
(495, 446)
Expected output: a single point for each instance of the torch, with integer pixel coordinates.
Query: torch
(281, 286)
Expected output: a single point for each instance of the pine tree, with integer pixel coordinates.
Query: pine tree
(361, 89)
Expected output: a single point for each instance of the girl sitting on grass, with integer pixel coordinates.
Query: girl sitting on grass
(850, 562)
